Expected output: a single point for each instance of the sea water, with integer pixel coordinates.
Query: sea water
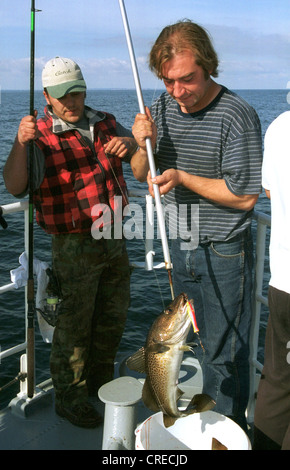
(149, 289)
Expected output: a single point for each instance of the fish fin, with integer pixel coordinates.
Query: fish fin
(137, 361)
(188, 347)
(200, 402)
(179, 393)
(168, 420)
(148, 398)
(157, 348)
(185, 347)
(217, 445)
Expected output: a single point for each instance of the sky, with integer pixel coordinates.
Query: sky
(251, 37)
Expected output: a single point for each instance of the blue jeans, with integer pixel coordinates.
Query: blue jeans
(218, 277)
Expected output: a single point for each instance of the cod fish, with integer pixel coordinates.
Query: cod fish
(161, 359)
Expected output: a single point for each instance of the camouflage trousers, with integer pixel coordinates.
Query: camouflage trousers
(94, 280)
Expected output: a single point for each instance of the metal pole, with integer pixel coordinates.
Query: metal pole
(159, 209)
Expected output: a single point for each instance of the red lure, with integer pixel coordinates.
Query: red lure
(191, 313)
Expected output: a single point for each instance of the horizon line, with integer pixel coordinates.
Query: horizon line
(133, 89)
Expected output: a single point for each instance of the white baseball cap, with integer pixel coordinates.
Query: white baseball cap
(61, 76)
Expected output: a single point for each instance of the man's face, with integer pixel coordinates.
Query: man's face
(70, 107)
(185, 81)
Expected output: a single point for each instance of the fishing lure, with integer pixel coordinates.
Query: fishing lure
(191, 313)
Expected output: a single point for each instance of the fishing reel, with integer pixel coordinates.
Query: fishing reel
(50, 305)
(50, 310)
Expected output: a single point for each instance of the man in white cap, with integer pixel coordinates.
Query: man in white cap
(61, 76)
(78, 155)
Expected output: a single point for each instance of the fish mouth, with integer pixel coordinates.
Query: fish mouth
(179, 302)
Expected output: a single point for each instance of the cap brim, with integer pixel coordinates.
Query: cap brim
(59, 91)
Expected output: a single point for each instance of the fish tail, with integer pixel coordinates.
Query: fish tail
(199, 403)
(168, 420)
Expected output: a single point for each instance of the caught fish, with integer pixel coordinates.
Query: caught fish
(161, 359)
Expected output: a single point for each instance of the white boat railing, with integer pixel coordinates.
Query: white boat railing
(263, 222)
(20, 206)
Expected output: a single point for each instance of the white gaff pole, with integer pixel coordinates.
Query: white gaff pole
(160, 215)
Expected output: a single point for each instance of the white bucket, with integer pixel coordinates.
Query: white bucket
(193, 432)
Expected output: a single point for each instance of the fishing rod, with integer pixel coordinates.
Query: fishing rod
(159, 210)
(30, 283)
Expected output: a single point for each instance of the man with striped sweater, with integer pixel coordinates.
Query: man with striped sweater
(207, 143)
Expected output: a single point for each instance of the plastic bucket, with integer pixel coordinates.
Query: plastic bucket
(193, 432)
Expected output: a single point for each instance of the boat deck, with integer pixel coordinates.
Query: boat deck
(40, 428)
(35, 425)
(43, 429)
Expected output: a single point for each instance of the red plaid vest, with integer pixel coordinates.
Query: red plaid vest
(76, 179)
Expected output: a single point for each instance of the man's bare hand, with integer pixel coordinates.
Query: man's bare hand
(28, 129)
(120, 146)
